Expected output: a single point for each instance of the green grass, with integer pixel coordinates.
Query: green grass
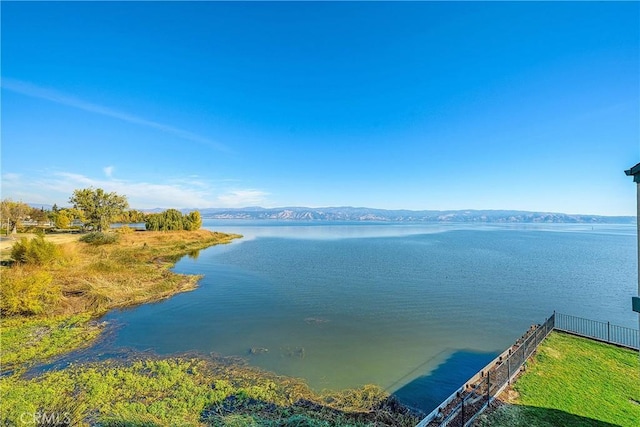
(24, 341)
(177, 391)
(574, 381)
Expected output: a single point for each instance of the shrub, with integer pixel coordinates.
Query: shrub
(125, 229)
(192, 221)
(35, 251)
(27, 293)
(19, 250)
(99, 238)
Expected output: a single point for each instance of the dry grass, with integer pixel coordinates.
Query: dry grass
(132, 271)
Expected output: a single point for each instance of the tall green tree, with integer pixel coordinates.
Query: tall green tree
(131, 216)
(12, 213)
(99, 207)
(63, 218)
(192, 221)
(172, 219)
(169, 220)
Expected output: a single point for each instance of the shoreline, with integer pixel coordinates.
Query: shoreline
(49, 360)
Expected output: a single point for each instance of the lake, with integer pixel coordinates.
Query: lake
(414, 308)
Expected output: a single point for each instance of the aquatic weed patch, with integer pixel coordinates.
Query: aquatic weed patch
(179, 391)
(24, 341)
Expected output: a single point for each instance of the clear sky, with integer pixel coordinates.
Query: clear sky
(417, 105)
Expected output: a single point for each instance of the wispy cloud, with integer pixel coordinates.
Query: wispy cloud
(140, 194)
(189, 192)
(34, 91)
(243, 198)
(108, 171)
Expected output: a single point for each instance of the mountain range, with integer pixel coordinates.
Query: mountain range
(383, 215)
(347, 213)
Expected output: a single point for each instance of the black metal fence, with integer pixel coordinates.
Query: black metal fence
(461, 408)
(466, 403)
(601, 331)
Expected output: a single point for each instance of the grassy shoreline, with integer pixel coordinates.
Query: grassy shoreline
(91, 280)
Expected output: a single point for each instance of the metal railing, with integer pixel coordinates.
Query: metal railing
(600, 331)
(465, 404)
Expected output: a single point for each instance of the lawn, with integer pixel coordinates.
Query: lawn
(573, 381)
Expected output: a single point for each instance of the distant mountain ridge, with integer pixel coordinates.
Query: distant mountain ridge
(383, 215)
(348, 213)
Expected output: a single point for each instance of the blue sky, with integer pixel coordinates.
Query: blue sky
(418, 105)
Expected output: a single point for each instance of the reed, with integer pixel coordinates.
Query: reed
(88, 277)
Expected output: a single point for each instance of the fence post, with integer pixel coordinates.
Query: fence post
(608, 331)
(488, 386)
(509, 370)
(463, 419)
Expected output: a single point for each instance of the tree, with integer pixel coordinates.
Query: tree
(131, 216)
(63, 218)
(12, 213)
(99, 208)
(38, 215)
(153, 222)
(192, 221)
(172, 219)
(169, 220)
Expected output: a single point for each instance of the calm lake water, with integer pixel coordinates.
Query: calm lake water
(416, 309)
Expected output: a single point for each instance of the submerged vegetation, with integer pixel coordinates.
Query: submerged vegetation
(180, 391)
(29, 340)
(573, 381)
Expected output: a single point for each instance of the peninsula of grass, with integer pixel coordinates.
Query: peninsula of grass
(573, 381)
(47, 308)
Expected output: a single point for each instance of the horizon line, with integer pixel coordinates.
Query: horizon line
(360, 207)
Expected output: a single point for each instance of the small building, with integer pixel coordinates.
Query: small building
(635, 173)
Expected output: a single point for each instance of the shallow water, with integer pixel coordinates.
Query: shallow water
(399, 305)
